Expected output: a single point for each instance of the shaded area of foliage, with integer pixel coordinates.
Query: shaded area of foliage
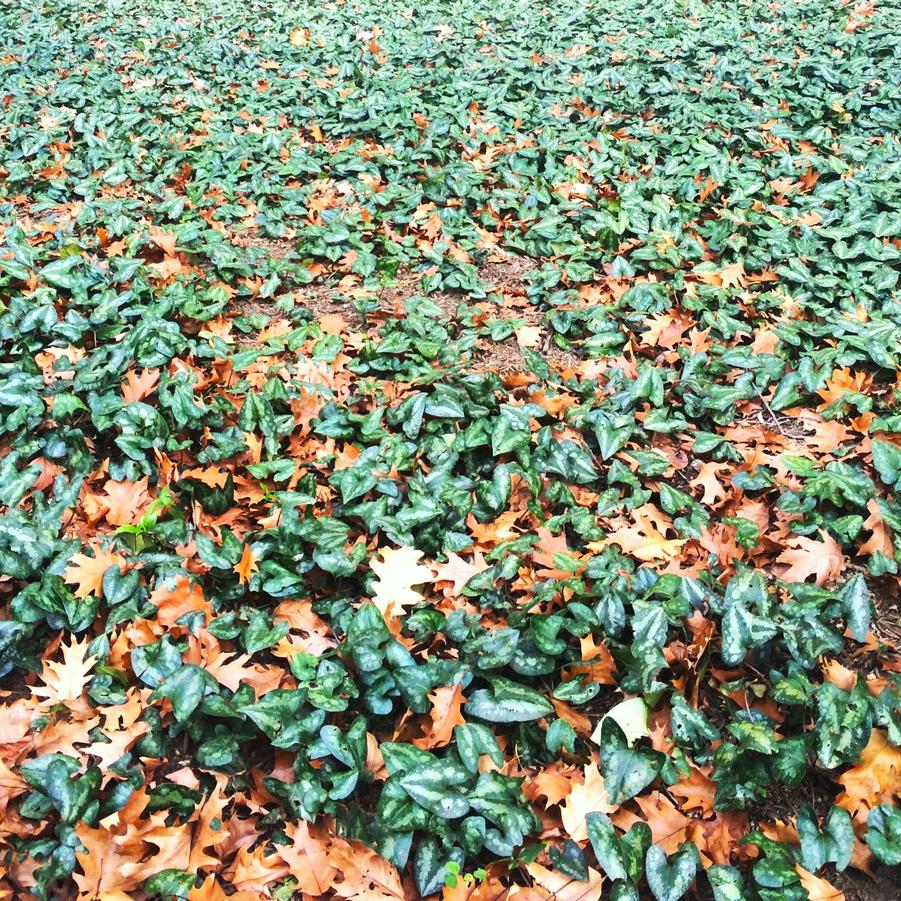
(449, 451)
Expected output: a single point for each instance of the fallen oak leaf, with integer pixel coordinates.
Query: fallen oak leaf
(247, 566)
(586, 797)
(398, 571)
(560, 887)
(86, 573)
(308, 859)
(447, 701)
(459, 571)
(805, 557)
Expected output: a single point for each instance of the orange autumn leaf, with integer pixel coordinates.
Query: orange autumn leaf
(247, 566)
(560, 887)
(554, 783)
(818, 889)
(644, 540)
(458, 571)
(86, 573)
(584, 798)
(447, 702)
(876, 779)
(840, 383)
(137, 386)
(365, 875)
(124, 501)
(806, 557)
(308, 859)
(173, 603)
(668, 824)
(696, 791)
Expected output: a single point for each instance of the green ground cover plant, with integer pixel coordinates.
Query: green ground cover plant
(450, 450)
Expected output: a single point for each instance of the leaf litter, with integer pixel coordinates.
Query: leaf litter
(450, 452)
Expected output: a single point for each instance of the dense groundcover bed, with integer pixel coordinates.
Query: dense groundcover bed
(450, 450)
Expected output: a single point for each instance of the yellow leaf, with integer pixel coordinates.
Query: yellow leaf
(398, 571)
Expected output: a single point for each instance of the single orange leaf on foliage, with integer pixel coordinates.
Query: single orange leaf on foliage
(818, 889)
(585, 797)
(173, 603)
(233, 670)
(247, 565)
(124, 501)
(644, 540)
(668, 823)
(255, 870)
(874, 780)
(302, 618)
(840, 383)
(880, 537)
(447, 702)
(86, 573)
(137, 386)
(707, 479)
(597, 663)
(366, 875)
(806, 557)
(308, 859)
(554, 783)
(696, 792)
(459, 571)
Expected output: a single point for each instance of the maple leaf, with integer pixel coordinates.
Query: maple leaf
(447, 702)
(64, 680)
(584, 798)
(398, 571)
(805, 557)
(246, 566)
(459, 571)
(86, 573)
